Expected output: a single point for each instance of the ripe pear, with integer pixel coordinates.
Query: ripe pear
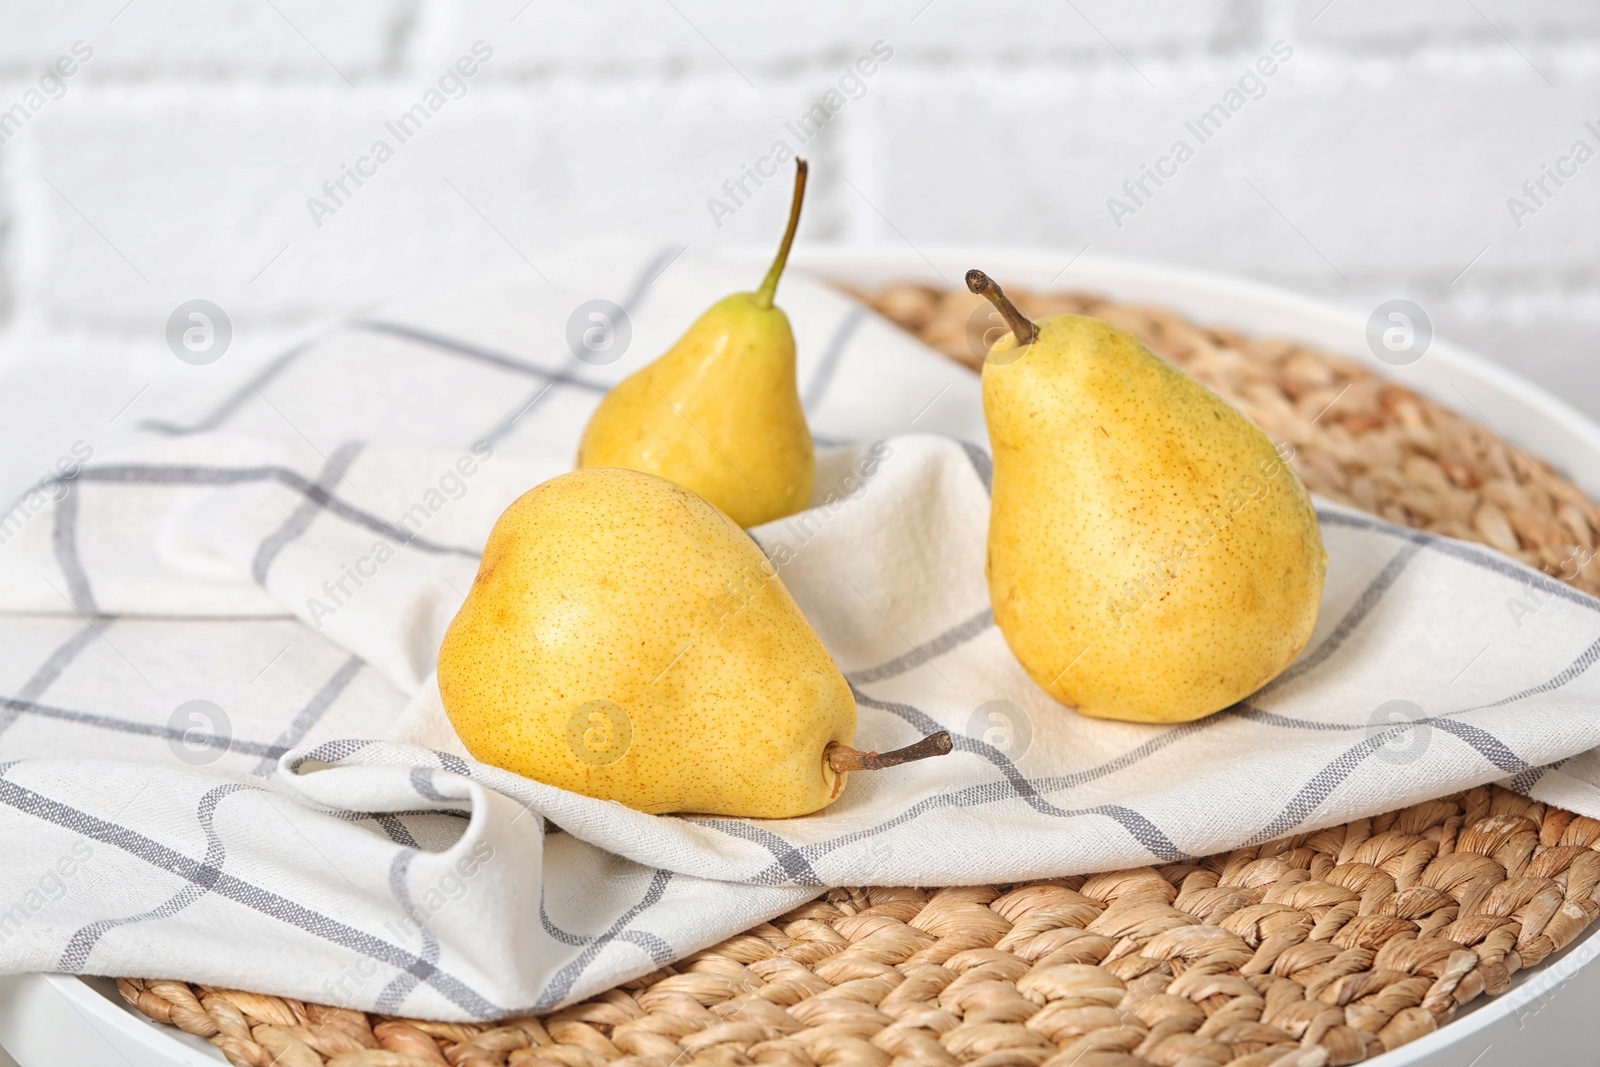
(720, 412)
(626, 640)
(1151, 556)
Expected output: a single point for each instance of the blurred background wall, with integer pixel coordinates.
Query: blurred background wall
(185, 154)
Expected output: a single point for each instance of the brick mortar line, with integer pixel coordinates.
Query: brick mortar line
(1581, 52)
(118, 97)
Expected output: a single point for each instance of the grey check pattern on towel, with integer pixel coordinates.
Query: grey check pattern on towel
(222, 755)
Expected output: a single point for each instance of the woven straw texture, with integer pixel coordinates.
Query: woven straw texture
(1323, 948)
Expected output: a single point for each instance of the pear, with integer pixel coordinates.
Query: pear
(720, 412)
(1151, 556)
(626, 640)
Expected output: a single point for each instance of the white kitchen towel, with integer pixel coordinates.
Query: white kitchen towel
(222, 755)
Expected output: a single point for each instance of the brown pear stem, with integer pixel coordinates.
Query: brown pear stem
(843, 758)
(769, 284)
(985, 286)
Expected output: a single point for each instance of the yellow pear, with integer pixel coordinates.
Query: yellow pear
(624, 639)
(1151, 556)
(720, 412)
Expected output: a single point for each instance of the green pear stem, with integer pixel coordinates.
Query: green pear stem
(985, 286)
(843, 758)
(769, 284)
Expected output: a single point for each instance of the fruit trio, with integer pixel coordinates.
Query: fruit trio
(1151, 558)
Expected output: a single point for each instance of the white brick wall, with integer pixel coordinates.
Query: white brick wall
(178, 160)
(206, 40)
(1362, 24)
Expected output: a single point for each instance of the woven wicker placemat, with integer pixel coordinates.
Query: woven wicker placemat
(1323, 948)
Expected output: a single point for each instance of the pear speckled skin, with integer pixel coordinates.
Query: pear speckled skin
(719, 413)
(1151, 558)
(625, 640)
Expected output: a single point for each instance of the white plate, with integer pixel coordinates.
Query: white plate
(61, 1021)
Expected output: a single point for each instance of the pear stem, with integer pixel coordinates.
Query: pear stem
(843, 758)
(1021, 326)
(769, 284)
